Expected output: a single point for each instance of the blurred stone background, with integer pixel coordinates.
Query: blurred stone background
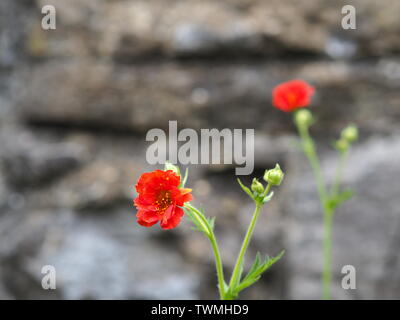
(76, 103)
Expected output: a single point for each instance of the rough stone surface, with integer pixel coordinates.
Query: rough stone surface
(132, 30)
(365, 227)
(76, 103)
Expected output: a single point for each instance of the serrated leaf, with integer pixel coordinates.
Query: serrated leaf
(201, 222)
(256, 270)
(255, 264)
(261, 266)
(211, 222)
(245, 189)
(197, 225)
(270, 261)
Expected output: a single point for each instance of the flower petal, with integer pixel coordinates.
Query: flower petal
(147, 218)
(172, 217)
(160, 199)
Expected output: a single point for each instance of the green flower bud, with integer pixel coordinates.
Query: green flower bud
(342, 145)
(350, 134)
(174, 168)
(274, 176)
(257, 186)
(303, 117)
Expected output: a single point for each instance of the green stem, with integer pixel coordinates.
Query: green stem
(310, 152)
(211, 236)
(239, 262)
(328, 225)
(218, 265)
(327, 247)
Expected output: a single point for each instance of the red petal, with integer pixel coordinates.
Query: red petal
(147, 218)
(172, 217)
(291, 95)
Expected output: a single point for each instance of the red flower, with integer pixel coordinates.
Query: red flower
(291, 95)
(160, 199)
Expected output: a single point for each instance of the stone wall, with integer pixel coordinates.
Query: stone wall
(76, 103)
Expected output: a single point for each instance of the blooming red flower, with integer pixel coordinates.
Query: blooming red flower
(291, 95)
(160, 199)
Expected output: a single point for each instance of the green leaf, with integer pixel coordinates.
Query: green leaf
(211, 222)
(256, 264)
(337, 200)
(260, 266)
(345, 195)
(201, 222)
(245, 189)
(257, 269)
(198, 226)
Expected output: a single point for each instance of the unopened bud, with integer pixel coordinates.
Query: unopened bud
(174, 168)
(274, 176)
(303, 117)
(350, 134)
(257, 186)
(342, 145)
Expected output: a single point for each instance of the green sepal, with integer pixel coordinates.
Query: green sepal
(246, 189)
(185, 177)
(169, 166)
(268, 197)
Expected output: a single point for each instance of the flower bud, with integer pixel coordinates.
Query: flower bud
(274, 176)
(257, 186)
(350, 134)
(303, 117)
(342, 145)
(174, 168)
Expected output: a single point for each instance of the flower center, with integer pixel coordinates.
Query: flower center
(163, 201)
